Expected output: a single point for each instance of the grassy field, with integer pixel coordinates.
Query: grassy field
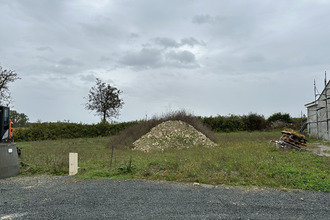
(241, 158)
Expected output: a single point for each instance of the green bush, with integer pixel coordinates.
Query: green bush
(254, 122)
(215, 123)
(250, 122)
(127, 167)
(284, 117)
(233, 123)
(225, 123)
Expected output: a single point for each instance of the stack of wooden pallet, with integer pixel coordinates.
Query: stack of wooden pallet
(292, 139)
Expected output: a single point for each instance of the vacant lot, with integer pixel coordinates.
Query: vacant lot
(241, 158)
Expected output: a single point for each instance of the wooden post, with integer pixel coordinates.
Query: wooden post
(111, 156)
(73, 164)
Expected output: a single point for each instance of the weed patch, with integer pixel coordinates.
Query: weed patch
(127, 167)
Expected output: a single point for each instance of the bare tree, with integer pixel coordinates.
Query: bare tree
(104, 99)
(6, 77)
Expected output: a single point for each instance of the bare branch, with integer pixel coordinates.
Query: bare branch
(6, 77)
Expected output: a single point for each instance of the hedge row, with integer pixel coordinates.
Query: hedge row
(252, 122)
(236, 123)
(60, 130)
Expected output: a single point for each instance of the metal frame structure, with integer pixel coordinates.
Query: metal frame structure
(318, 113)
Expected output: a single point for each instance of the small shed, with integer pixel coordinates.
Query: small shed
(318, 118)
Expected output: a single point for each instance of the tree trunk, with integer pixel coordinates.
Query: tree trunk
(104, 118)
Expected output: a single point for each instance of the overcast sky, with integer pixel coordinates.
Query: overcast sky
(210, 57)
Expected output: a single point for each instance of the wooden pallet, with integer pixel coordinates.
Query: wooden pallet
(294, 135)
(291, 140)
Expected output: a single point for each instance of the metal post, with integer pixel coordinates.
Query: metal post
(111, 156)
(326, 111)
(317, 124)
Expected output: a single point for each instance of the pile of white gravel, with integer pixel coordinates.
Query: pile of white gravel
(172, 134)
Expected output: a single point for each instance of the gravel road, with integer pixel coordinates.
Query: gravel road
(60, 197)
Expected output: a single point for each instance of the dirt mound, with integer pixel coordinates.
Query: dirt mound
(172, 134)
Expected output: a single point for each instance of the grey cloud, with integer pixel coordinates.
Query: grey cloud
(133, 35)
(146, 57)
(166, 42)
(202, 19)
(155, 58)
(132, 38)
(171, 43)
(254, 58)
(88, 78)
(182, 58)
(45, 48)
(105, 59)
(69, 62)
(191, 42)
(103, 28)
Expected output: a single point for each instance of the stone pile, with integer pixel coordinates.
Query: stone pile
(172, 134)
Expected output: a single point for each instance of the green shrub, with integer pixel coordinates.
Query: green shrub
(215, 123)
(254, 122)
(250, 122)
(225, 123)
(127, 167)
(233, 123)
(284, 117)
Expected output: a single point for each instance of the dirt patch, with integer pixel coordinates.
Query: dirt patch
(172, 134)
(320, 150)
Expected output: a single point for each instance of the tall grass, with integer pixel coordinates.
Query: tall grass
(241, 158)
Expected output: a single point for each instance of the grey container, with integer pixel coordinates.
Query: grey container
(9, 164)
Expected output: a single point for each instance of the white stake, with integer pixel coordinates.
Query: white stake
(73, 164)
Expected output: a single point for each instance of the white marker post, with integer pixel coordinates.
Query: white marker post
(73, 164)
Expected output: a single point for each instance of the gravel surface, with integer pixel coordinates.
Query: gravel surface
(321, 150)
(60, 197)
